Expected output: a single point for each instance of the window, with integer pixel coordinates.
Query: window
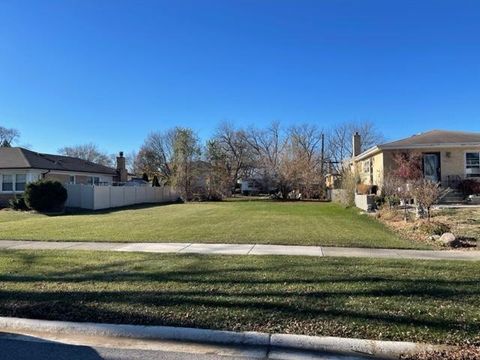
(94, 180)
(366, 166)
(13, 182)
(20, 181)
(472, 164)
(71, 179)
(7, 183)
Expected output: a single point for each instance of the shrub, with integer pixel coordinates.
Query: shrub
(17, 203)
(392, 200)
(45, 196)
(470, 187)
(426, 194)
(379, 200)
(433, 227)
(390, 214)
(348, 184)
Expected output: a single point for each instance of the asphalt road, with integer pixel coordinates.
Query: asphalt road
(21, 349)
(11, 349)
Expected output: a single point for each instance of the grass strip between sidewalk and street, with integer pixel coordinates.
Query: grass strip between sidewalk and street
(407, 300)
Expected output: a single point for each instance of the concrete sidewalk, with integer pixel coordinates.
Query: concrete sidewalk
(243, 249)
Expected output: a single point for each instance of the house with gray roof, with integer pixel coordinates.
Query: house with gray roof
(19, 166)
(448, 157)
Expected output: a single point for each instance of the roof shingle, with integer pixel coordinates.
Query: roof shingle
(435, 137)
(20, 158)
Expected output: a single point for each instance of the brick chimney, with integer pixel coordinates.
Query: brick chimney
(122, 173)
(356, 144)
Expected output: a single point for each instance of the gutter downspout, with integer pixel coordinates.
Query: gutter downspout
(45, 173)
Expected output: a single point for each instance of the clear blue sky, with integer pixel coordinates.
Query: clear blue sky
(112, 71)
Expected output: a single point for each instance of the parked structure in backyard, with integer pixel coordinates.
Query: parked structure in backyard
(19, 166)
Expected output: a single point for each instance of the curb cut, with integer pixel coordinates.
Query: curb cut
(344, 346)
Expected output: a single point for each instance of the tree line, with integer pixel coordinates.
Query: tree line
(285, 161)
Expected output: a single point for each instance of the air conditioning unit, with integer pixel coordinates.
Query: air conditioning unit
(473, 172)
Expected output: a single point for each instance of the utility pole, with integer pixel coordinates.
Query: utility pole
(322, 165)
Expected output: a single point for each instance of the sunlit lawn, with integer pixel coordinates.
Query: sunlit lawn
(431, 301)
(267, 222)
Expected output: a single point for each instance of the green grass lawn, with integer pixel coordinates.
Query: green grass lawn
(431, 301)
(266, 222)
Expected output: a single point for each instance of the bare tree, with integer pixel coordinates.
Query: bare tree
(268, 148)
(186, 161)
(8, 136)
(339, 141)
(234, 151)
(426, 193)
(288, 174)
(156, 155)
(407, 171)
(173, 156)
(390, 188)
(131, 162)
(288, 160)
(89, 152)
(219, 182)
(306, 147)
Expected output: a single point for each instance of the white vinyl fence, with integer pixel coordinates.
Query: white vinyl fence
(104, 197)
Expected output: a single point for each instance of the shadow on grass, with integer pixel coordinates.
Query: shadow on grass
(239, 198)
(193, 292)
(192, 308)
(77, 211)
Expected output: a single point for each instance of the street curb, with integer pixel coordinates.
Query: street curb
(345, 346)
(135, 331)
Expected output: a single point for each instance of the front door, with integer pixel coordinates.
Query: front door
(431, 166)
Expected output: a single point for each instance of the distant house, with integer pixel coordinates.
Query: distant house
(250, 186)
(447, 157)
(19, 166)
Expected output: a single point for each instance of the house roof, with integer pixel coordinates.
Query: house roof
(429, 139)
(435, 138)
(20, 158)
